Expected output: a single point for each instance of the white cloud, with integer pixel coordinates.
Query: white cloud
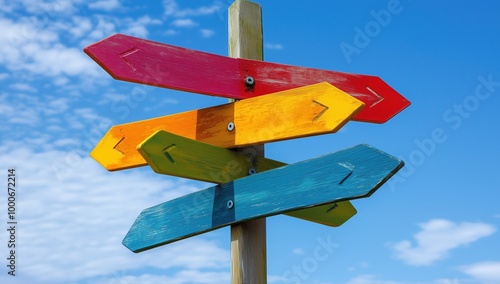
(61, 81)
(65, 142)
(44, 45)
(46, 114)
(104, 28)
(74, 227)
(370, 279)
(87, 114)
(54, 106)
(273, 46)
(106, 5)
(3, 76)
(437, 237)
(7, 6)
(138, 27)
(23, 87)
(182, 277)
(361, 265)
(184, 23)
(161, 104)
(37, 50)
(170, 32)
(206, 33)
(172, 9)
(51, 9)
(80, 26)
(59, 60)
(18, 110)
(23, 31)
(486, 272)
(276, 279)
(448, 281)
(107, 98)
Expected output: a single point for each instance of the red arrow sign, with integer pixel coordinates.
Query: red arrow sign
(147, 62)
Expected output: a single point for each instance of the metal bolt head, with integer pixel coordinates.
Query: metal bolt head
(230, 126)
(229, 204)
(249, 81)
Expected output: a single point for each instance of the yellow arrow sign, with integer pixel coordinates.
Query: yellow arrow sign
(310, 110)
(174, 155)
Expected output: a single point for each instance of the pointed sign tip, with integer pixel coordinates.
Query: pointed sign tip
(332, 106)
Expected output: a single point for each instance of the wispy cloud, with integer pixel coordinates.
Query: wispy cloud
(298, 251)
(486, 272)
(370, 279)
(437, 238)
(206, 33)
(40, 52)
(23, 87)
(15, 110)
(274, 46)
(170, 32)
(184, 23)
(80, 26)
(162, 103)
(139, 27)
(172, 9)
(105, 5)
(182, 277)
(51, 8)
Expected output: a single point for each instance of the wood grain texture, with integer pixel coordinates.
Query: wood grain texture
(248, 239)
(348, 174)
(310, 110)
(171, 154)
(174, 155)
(142, 61)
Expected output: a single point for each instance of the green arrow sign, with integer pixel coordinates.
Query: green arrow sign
(175, 155)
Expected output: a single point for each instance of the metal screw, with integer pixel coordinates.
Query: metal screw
(230, 126)
(252, 171)
(249, 81)
(229, 204)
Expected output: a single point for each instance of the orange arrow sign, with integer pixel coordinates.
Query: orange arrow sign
(316, 109)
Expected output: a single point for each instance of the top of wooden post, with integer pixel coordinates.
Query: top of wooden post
(245, 30)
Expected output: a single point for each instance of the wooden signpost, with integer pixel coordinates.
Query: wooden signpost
(248, 239)
(224, 144)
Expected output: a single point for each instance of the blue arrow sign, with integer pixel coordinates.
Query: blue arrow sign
(348, 174)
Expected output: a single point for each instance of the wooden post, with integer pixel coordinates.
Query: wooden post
(248, 239)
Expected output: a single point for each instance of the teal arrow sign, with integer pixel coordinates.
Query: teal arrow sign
(348, 174)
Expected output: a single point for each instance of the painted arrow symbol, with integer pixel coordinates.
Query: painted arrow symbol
(348, 174)
(196, 160)
(147, 62)
(310, 110)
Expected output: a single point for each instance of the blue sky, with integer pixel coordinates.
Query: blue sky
(436, 222)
